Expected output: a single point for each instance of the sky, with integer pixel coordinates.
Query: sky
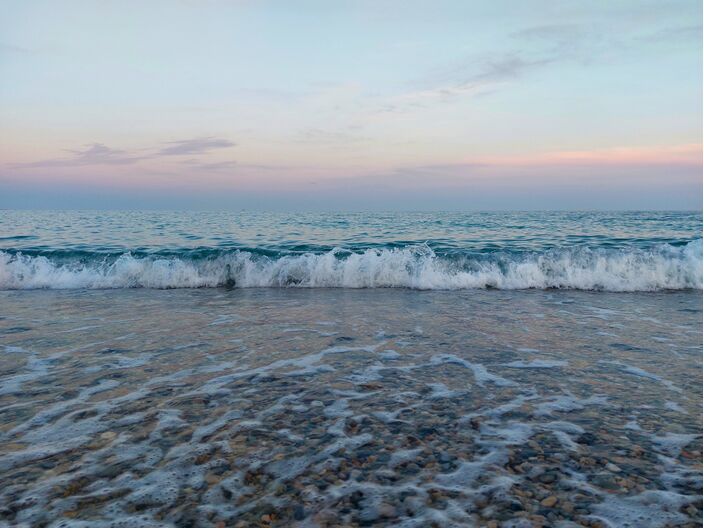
(351, 105)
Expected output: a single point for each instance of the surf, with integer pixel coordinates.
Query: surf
(656, 268)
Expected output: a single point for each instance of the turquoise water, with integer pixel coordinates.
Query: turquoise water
(626, 251)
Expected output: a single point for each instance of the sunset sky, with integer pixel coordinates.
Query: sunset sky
(322, 105)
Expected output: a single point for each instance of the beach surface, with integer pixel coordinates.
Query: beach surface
(347, 407)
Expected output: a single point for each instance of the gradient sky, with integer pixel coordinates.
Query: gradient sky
(320, 105)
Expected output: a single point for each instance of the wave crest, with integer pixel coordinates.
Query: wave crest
(663, 267)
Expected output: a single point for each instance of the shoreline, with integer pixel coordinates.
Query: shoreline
(286, 407)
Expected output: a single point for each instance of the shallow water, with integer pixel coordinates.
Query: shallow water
(339, 407)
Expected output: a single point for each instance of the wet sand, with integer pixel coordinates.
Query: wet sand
(350, 408)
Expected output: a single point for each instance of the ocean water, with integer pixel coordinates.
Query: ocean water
(413, 370)
(639, 251)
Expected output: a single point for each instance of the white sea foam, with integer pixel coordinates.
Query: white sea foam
(652, 508)
(662, 267)
(536, 364)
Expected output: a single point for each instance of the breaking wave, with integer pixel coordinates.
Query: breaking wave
(662, 267)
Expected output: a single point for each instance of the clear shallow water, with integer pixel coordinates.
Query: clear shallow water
(635, 251)
(330, 407)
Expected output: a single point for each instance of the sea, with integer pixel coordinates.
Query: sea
(236, 369)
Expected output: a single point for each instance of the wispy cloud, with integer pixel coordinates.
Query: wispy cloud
(92, 154)
(97, 153)
(186, 147)
(319, 136)
(100, 154)
(476, 78)
(674, 35)
(587, 44)
(503, 68)
(211, 166)
(689, 154)
(634, 164)
(534, 48)
(12, 48)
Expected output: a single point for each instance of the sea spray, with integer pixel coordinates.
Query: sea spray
(660, 267)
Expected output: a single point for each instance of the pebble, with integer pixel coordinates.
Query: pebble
(549, 502)
(587, 438)
(606, 481)
(386, 510)
(548, 478)
(299, 513)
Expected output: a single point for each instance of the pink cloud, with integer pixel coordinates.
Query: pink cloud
(687, 154)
